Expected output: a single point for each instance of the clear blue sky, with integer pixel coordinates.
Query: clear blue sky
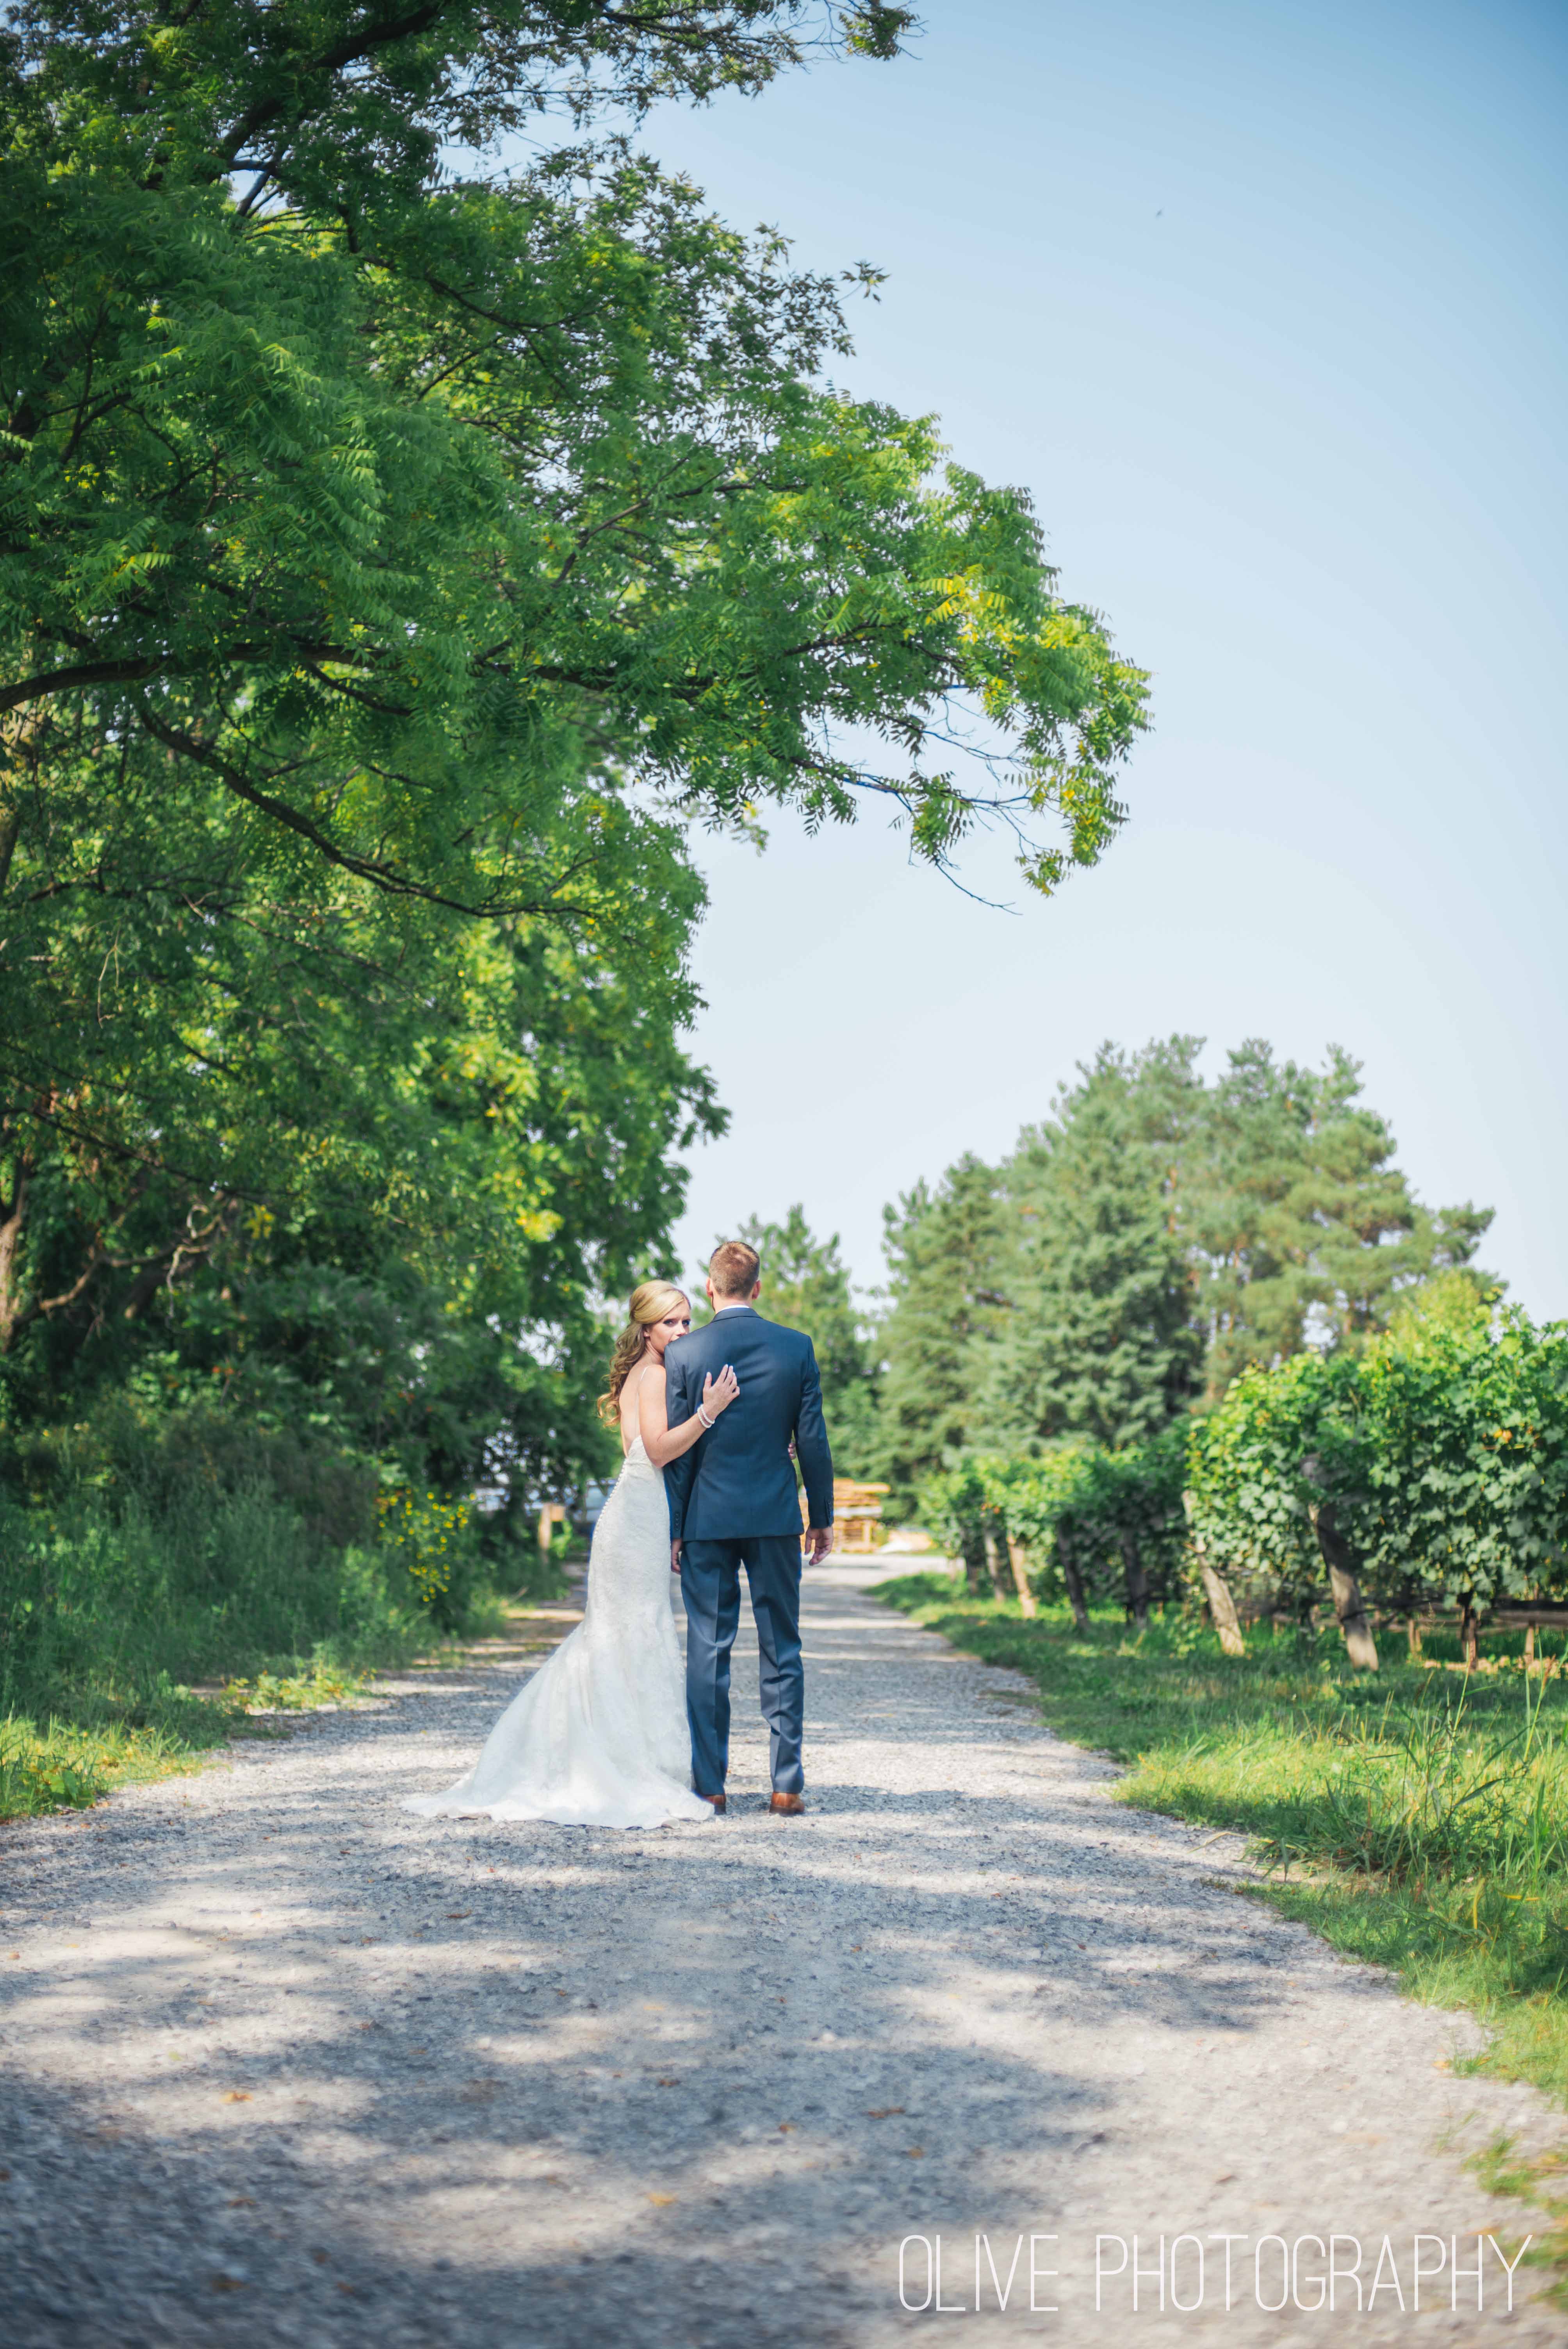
(1265, 305)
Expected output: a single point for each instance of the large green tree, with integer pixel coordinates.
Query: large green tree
(1099, 1338)
(329, 1156)
(946, 1250)
(402, 508)
(1301, 1227)
(392, 563)
(1153, 1237)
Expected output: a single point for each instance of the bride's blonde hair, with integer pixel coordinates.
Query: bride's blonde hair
(649, 1302)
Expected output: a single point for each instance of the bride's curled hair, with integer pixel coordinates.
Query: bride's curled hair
(649, 1302)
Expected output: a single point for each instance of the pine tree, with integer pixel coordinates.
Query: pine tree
(1098, 1337)
(944, 1249)
(1143, 1245)
(1302, 1230)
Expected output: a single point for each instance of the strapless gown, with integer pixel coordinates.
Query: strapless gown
(598, 1736)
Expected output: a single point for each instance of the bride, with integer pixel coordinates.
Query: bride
(598, 1736)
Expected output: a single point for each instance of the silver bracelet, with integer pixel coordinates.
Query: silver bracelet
(703, 1416)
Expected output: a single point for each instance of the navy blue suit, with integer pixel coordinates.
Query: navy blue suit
(732, 1503)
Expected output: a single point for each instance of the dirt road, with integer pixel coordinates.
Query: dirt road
(282, 2064)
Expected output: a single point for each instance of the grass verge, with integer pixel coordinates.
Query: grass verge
(1415, 1817)
(68, 1765)
(65, 1763)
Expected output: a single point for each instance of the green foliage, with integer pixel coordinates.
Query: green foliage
(1084, 1516)
(1301, 1228)
(1415, 1821)
(147, 1551)
(435, 1543)
(393, 565)
(1151, 1238)
(1246, 1475)
(1465, 1442)
(1098, 1340)
(952, 1503)
(111, 1603)
(1441, 1454)
(1444, 1454)
(408, 513)
(335, 1156)
(1456, 1302)
(943, 1249)
(60, 1766)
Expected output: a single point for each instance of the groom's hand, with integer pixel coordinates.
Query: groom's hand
(674, 1557)
(818, 1542)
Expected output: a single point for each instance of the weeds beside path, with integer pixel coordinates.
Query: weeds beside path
(1417, 1818)
(63, 1763)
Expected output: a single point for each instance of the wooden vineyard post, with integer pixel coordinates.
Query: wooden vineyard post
(1528, 1645)
(1073, 1581)
(993, 1561)
(1223, 1608)
(1349, 1604)
(1217, 1591)
(1020, 1567)
(1137, 1582)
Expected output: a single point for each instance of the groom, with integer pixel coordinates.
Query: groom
(733, 1504)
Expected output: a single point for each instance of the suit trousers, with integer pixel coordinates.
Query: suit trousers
(710, 1586)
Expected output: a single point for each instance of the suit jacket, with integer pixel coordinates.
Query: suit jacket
(738, 1478)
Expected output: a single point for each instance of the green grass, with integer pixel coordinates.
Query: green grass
(144, 1625)
(59, 1765)
(115, 1609)
(63, 1765)
(1415, 1817)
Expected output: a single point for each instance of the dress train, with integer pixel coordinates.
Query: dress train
(597, 1736)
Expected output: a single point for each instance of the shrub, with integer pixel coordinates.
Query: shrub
(1433, 1465)
(106, 1610)
(435, 1544)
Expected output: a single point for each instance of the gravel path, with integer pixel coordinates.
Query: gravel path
(284, 2065)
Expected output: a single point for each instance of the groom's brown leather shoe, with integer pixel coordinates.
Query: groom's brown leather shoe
(786, 1806)
(719, 1805)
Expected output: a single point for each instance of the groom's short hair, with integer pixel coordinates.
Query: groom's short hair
(733, 1269)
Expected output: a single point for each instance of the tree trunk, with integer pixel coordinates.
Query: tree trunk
(12, 1216)
(1413, 1633)
(1020, 1567)
(1528, 1645)
(993, 1561)
(1073, 1581)
(1217, 1591)
(22, 741)
(1349, 1604)
(973, 1555)
(1137, 1583)
(10, 826)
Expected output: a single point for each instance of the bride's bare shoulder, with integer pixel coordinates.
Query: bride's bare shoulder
(650, 1378)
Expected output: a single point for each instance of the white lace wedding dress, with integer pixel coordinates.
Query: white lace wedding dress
(598, 1736)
